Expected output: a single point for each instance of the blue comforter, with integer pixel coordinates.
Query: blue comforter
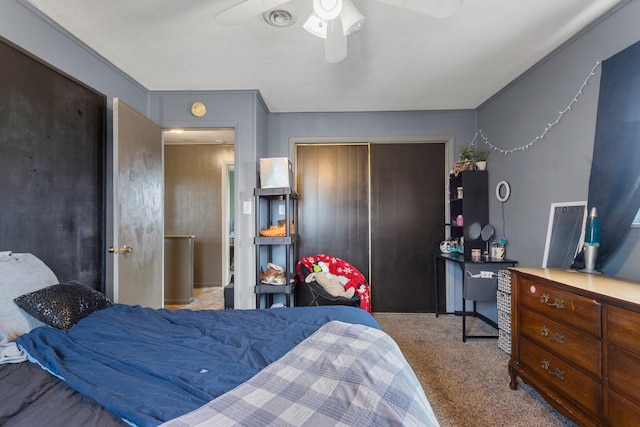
(149, 366)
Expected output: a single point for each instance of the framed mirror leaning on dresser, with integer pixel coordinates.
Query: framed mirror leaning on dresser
(565, 233)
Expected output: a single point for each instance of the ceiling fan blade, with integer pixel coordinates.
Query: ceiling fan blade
(246, 10)
(436, 8)
(335, 45)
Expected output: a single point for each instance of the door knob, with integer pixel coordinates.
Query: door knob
(123, 250)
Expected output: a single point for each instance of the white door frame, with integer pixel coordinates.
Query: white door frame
(226, 219)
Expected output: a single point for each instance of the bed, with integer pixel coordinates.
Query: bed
(115, 364)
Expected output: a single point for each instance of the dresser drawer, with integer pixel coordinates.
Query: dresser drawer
(623, 372)
(566, 341)
(576, 310)
(556, 373)
(623, 327)
(621, 411)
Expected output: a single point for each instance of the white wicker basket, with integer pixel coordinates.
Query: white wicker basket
(504, 281)
(504, 302)
(504, 320)
(504, 341)
(504, 310)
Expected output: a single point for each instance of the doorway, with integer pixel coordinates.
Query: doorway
(198, 171)
(381, 206)
(228, 223)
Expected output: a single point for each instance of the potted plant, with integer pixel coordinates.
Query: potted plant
(474, 158)
(467, 159)
(468, 153)
(481, 159)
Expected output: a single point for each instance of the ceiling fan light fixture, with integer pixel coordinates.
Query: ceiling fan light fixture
(327, 9)
(316, 26)
(279, 18)
(351, 18)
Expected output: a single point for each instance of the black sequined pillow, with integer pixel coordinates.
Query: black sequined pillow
(64, 304)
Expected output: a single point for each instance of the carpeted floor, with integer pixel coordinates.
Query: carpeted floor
(466, 383)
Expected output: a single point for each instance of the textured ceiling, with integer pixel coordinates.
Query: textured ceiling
(400, 60)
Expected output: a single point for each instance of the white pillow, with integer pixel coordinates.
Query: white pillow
(20, 274)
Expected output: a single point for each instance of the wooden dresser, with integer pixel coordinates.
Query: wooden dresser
(576, 340)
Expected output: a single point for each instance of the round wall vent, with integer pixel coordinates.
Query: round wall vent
(279, 18)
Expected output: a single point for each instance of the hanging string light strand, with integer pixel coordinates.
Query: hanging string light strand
(547, 128)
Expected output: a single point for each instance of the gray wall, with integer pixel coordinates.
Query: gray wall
(245, 112)
(555, 169)
(284, 128)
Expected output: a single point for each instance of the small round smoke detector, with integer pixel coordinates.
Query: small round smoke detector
(279, 18)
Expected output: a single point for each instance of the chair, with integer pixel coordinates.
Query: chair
(338, 267)
(480, 284)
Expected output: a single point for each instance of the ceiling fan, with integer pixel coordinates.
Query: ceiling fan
(334, 20)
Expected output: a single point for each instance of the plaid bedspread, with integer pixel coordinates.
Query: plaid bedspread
(342, 375)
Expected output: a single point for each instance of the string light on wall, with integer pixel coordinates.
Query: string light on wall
(547, 128)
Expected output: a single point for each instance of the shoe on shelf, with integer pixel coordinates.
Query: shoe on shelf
(273, 231)
(273, 271)
(278, 230)
(274, 280)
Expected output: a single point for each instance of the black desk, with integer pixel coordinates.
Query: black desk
(465, 265)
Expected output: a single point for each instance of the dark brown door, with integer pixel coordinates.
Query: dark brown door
(333, 210)
(407, 211)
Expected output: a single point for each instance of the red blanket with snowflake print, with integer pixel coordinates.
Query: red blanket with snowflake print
(340, 267)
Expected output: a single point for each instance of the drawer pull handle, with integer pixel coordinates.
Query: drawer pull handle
(557, 337)
(558, 303)
(556, 372)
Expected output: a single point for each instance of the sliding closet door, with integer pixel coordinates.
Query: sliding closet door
(407, 205)
(334, 205)
(407, 210)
